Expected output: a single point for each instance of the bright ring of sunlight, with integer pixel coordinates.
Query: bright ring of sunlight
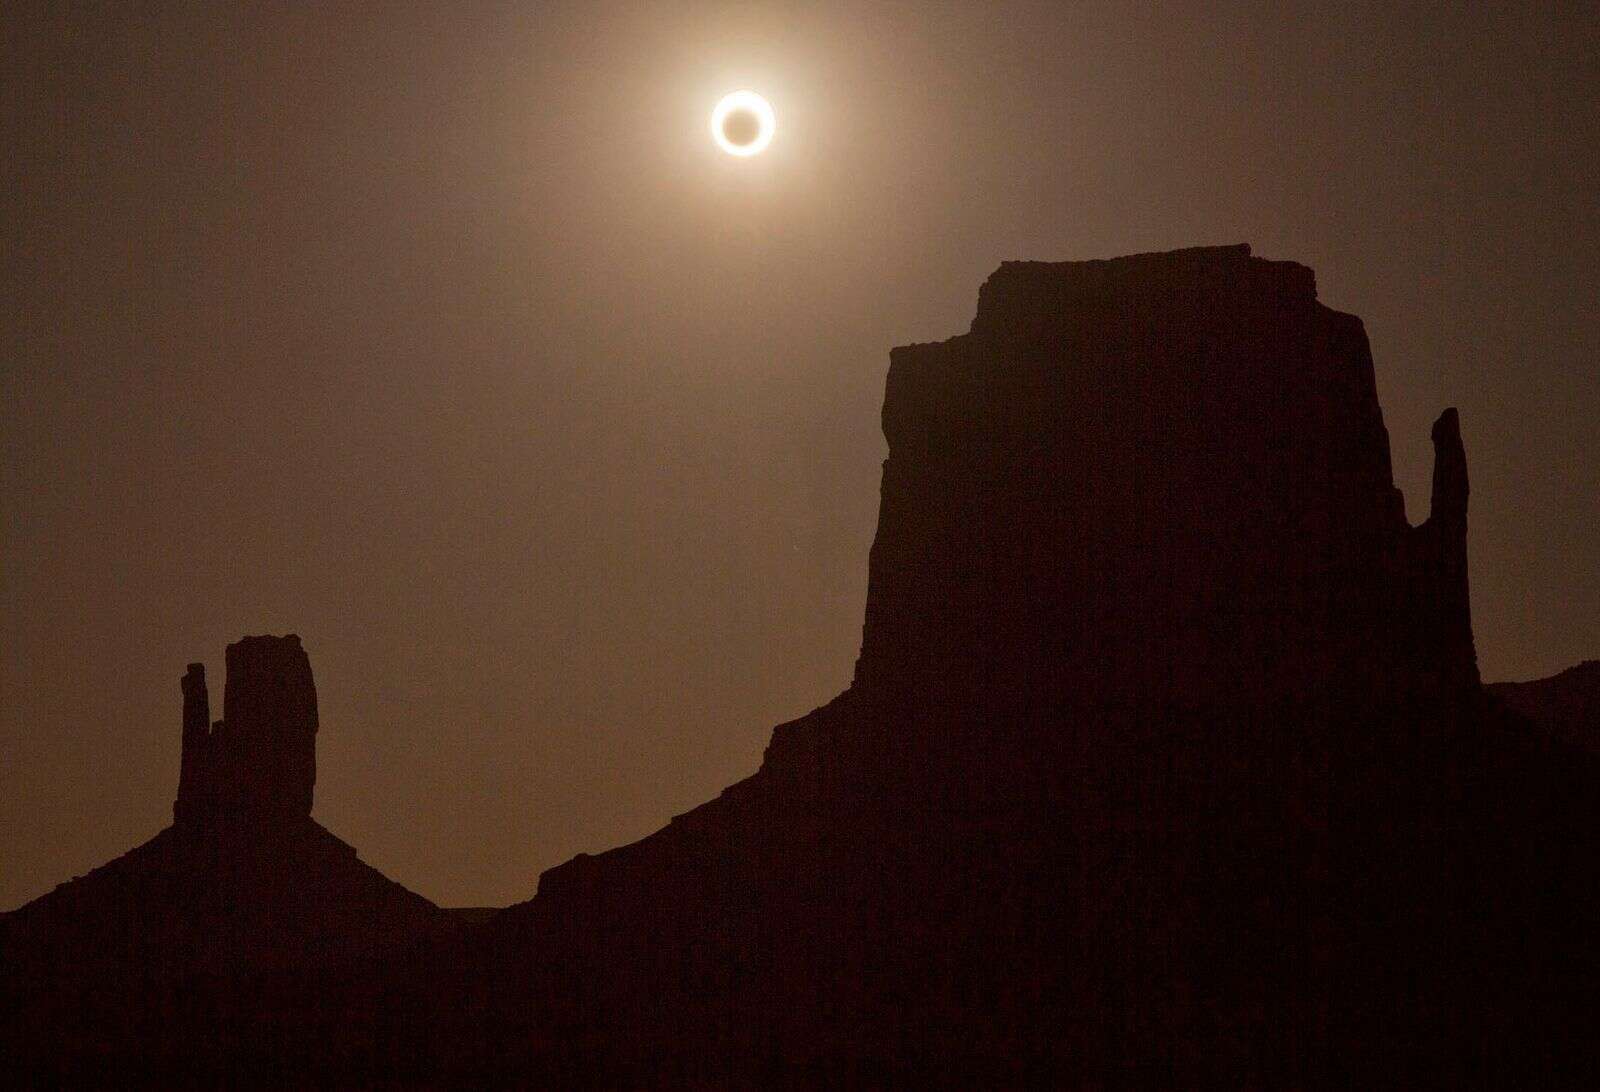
(743, 123)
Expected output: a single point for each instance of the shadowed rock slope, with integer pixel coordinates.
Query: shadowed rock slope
(1566, 704)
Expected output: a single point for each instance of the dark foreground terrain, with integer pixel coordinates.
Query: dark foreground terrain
(1166, 763)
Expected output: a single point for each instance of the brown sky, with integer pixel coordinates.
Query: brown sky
(444, 337)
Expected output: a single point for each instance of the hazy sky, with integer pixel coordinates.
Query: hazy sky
(444, 336)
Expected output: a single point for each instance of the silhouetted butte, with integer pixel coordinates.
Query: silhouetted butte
(1165, 762)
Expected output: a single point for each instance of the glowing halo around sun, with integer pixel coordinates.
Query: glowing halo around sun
(743, 124)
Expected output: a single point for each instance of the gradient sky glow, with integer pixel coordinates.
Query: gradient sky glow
(443, 336)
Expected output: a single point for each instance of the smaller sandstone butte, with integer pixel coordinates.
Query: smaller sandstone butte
(1566, 705)
(243, 880)
(262, 755)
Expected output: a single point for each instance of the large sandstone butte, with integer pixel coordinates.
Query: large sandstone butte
(1165, 759)
(1151, 483)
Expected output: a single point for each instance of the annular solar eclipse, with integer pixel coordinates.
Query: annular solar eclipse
(743, 123)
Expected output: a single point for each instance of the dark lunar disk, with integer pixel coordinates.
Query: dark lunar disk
(741, 127)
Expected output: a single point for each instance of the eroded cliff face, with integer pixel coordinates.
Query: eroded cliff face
(1160, 482)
